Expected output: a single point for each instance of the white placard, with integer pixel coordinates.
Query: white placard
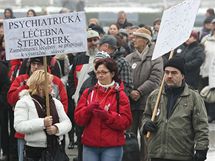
(176, 25)
(212, 73)
(45, 35)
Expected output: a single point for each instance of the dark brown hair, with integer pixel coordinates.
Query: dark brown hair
(33, 11)
(210, 11)
(111, 65)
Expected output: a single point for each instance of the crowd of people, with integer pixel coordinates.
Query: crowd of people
(97, 95)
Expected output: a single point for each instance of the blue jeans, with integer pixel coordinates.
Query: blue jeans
(102, 154)
(21, 145)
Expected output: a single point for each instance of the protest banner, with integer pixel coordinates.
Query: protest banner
(176, 25)
(45, 35)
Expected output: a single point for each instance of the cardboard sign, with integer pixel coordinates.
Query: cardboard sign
(45, 35)
(176, 26)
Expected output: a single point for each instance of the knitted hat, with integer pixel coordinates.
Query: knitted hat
(144, 33)
(109, 39)
(36, 60)
(40, 60)
(176, 62)
(91, 33)
(102, 55)
(97, 28)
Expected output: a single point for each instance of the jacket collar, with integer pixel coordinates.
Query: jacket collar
(23, 93)
(116, 86)
(184, 93)
(147, 55)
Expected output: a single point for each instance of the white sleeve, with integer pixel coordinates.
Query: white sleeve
(64, 125)
(26, 119)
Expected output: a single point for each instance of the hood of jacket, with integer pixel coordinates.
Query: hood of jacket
(23, 93)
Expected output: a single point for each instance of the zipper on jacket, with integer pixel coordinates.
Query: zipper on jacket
(165, 137)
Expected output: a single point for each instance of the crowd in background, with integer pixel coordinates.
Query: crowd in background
(129, 47)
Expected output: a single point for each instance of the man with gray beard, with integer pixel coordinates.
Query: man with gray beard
(81, 66)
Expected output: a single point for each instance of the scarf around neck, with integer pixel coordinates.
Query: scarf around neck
(107, 85)
(40, 103)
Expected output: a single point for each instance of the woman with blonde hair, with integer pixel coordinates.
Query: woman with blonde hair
(30, 117)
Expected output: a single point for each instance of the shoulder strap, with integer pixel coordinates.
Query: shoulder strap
(90, 90)
(39, 108)
(15, 72)
(117, 99)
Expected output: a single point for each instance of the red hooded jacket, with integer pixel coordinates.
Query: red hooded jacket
(97, 131)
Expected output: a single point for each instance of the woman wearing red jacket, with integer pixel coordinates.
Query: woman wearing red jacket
(104, 115)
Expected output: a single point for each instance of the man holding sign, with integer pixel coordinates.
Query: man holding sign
(180, 130)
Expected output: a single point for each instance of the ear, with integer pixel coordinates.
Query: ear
(182, 76)
(112, 74)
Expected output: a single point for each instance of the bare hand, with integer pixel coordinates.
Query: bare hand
(48, 121)
(135, 95)
(52, 130)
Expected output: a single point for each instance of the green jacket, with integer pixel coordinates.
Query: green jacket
(186, 129)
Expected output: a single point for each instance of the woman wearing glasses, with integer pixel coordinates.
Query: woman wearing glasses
(104, 112)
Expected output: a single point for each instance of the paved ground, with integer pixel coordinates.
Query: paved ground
(211, 153)
(72, 153)
(210, 157)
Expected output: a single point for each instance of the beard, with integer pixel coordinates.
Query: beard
(92, 51)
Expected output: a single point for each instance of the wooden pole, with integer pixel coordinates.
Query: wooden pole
(158, 98)
(46, 86)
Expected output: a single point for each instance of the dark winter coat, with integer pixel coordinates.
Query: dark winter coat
(147, 75)
(4, 85)
(184, 131)
(194, 57)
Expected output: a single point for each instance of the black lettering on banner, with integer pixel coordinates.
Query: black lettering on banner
(42, 32)
(43, 41)
(10, 25)
(77, 19)
(19, 43)
(50, 21)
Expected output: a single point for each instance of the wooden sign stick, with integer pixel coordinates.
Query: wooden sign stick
(46, 86)
(158, 98)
